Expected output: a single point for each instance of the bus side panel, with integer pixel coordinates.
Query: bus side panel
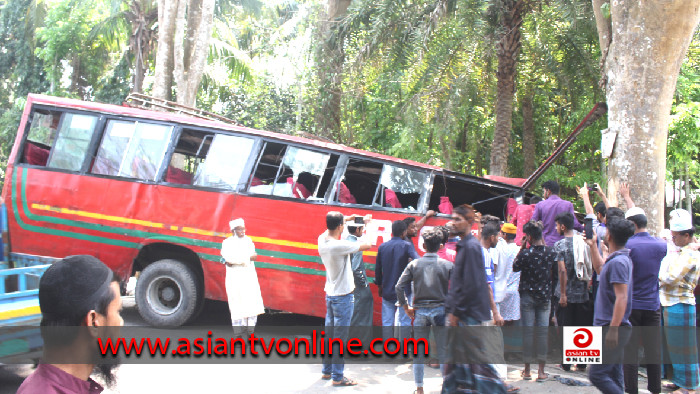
(68, 214)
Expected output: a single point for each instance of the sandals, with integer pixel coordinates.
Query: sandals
(681, 390)
(326, 377)
(525, 377)
(541, 380)
(344, 382)
(510, 389)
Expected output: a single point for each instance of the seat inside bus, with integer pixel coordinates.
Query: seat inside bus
(42, 134)
(35, 154)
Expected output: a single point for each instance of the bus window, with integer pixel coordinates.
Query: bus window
(400, 187)
(370, 183)
(225, 162)
(359, 183)
(292, 172)
(463, 191)
(132, 149)
(41, 136)
(73, 140)
(266, 169)
(191, 149)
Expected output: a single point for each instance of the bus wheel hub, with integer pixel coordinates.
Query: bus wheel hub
(168, 294)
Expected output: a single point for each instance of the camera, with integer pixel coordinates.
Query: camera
(593, 188)
(359, 220)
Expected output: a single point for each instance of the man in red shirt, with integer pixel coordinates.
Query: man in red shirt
(78, 291)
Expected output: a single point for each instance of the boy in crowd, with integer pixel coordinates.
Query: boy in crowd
(430, 276)
(573, 292)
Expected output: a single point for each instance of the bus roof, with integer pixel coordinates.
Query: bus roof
(124, 110)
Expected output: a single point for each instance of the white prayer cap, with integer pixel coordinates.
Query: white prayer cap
(634, 211)
(236, 223)
(680, 220)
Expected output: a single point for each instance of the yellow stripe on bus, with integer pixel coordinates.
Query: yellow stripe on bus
(15, 313)
(99, 216)
(189, 230)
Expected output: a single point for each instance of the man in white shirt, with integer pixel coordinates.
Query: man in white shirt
(335, 252)
(242, 288)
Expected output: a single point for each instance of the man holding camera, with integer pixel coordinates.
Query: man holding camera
(335, 253)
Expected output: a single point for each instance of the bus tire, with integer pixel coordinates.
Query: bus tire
(167, 293)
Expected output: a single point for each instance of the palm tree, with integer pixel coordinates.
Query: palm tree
(138, 18)
(510, 16)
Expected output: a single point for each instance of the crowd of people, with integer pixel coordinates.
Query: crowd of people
(539, 268)
(534, 270)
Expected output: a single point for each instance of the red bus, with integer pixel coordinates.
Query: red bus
(154, 191)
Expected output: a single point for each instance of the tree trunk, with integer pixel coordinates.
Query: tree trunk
(604, 32)
(139, 73)
(192, 34)
(330, 59)
(649, 42)
(141, 15)
(162, 86)
(462, 144)
(528, 134)
(445, 144)
(508, 48)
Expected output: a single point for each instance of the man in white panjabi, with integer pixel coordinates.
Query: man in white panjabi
(242, 287)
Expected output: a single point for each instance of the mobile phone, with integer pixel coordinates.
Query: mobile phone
(359, 220)
(588, 227)
(593, 188)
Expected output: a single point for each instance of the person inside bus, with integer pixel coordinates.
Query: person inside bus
(303, 186)
(242, 287)
(176, 171)
(281, 189)
(391, 199)
(77, 291)
(345, 196)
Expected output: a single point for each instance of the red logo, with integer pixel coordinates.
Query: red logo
(583, 337)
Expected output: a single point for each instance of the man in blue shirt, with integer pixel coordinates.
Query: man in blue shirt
(646, 253)
(613, 304)
(392, 258)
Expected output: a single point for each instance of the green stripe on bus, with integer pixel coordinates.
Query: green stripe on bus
(261, 264)
(103, 228)
(61, 233)
(291, 256)
(133, 245)
(139, 233)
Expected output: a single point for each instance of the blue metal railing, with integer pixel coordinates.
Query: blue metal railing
(27, 281)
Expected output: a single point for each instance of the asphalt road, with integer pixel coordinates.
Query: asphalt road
(276, 378)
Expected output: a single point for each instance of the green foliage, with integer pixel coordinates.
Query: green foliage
(67, 47)
(418, 78)
(115, 87)
(9, 123)
(21, 72)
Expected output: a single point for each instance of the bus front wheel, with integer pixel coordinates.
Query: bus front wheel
(167, 293)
